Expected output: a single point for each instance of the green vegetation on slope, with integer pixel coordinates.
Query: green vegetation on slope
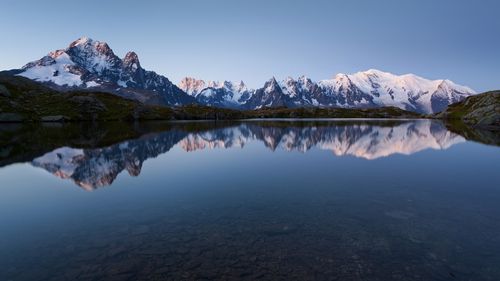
(481, 110)
(22, 99)
(315, 112)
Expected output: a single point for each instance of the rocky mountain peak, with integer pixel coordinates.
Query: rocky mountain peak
(271, 85)
(89, 63)
(131, 57)
(305, 81)
(192, 86)
(103, 48)
(81, 41)
(304, 78)
(131, 60)
(88, 45)
(57, 53)
(228, 84)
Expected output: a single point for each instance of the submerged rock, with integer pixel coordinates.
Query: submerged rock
(11, 117)
(55, 118)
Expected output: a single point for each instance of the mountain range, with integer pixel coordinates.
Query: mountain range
(92, 65)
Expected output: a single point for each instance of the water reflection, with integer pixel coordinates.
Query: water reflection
(96, 167)
(273, 200)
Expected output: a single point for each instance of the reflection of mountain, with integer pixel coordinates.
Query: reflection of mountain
(360, 140)
(373, 142)
(91, 168)
(228, 137)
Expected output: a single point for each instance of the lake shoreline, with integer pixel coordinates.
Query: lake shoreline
(26, 101)
(21, 141)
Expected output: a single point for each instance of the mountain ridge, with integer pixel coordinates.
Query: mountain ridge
(90, 64)
(371, 88)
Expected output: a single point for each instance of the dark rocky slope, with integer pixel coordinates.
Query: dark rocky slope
(481, 110)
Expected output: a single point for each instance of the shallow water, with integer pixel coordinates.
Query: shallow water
(273, 200)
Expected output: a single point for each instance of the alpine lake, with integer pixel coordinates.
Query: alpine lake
(249, 200)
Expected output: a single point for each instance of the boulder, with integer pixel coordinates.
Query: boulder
(55, 118)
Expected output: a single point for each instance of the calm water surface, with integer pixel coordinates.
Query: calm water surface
(274, 200)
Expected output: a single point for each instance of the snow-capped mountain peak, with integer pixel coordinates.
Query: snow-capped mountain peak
(411, 92)
(91, 63)
(194, 86)
(191, 85)
(217, 93)
(271, 85)
(371, 88)
(81, 41)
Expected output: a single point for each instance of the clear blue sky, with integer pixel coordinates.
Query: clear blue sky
(256, 39)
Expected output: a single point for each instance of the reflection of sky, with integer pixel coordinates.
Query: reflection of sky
(254, 40)
(93, 168)
(212, 164)
(34, 202)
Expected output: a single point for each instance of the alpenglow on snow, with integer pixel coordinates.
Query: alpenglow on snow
(91, 64)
